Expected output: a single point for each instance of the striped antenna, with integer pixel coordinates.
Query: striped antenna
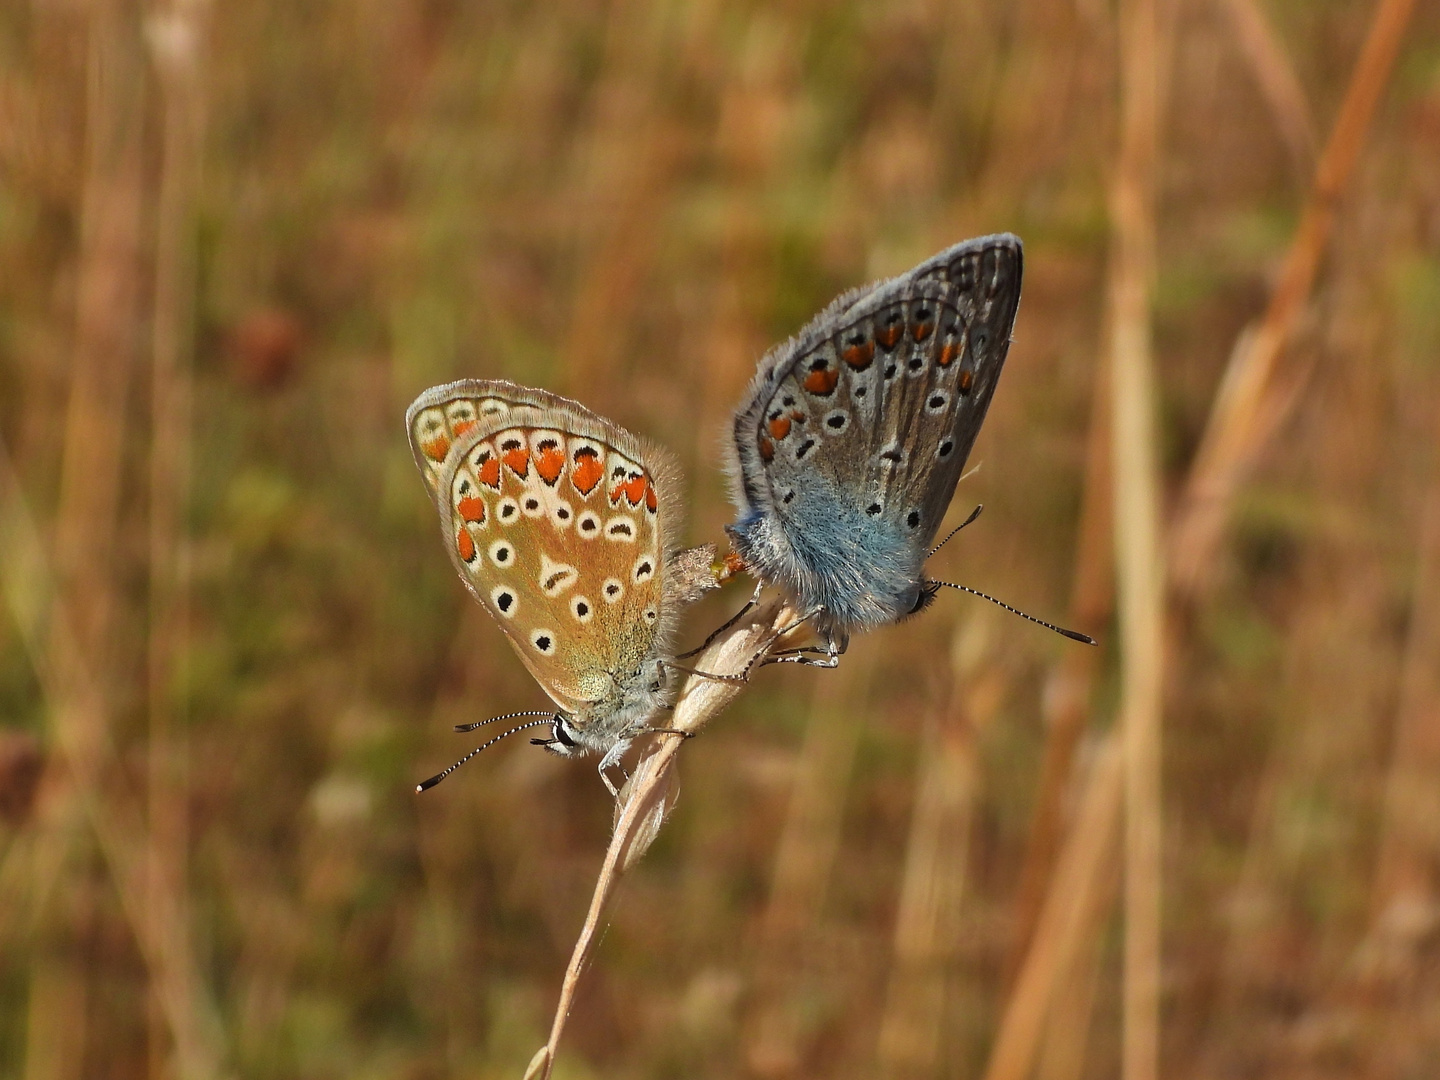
(428, 784)
(1073, 635)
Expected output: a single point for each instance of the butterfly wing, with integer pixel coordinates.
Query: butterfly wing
(558, 521)
(442, 415)
(856, 431)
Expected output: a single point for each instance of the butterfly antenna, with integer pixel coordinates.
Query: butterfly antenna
(428, 784)
(973, 515)
(507, 716)
(1073, 635)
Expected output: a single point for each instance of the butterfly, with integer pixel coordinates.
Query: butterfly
(562, 525)
(853, 434)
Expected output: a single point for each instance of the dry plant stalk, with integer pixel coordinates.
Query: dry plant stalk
(1139, 572)
(1071, 908)
(1066, 701)
(1403, 910)
(1253, 400)
(804, 862)
(927, 918)
(1275, 75)
(176, 36)
(644, 800)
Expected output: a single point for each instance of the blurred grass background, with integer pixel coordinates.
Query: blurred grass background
(237, 239)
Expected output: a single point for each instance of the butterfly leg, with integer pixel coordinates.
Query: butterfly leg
(806, 655)
(723, 626)
(611, 760)
(744, 676)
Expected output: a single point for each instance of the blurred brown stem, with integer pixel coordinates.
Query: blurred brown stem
(928, 927)
(176, 36)
(643, 802)
(1275, 75)
(1071, 908)
(1246, 412)
(1139, 572)
(1066, 702)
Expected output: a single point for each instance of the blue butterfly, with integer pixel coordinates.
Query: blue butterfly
(854, 433)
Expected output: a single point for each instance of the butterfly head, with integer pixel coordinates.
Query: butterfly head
(617, 714)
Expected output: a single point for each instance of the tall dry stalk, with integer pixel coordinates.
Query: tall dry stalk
(1276, 78)
(1071, 910)
(177, 37)
(928, 928)
(646, 799)
(106, 324)
(1406, 901)
(1066, 702)
(1254, 400)
(804, 862)
(1139, 569)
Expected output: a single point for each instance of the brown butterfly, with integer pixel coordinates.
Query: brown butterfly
(563, 525)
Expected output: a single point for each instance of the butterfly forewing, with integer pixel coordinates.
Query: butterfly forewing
(442, 415)
(881, 401)
(557, 532)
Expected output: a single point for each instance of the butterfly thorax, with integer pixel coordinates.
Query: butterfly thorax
(622, 710)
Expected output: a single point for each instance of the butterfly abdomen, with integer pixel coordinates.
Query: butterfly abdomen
(856, 567)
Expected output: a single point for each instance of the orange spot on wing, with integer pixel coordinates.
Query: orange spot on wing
(462, 426)
(490, 472)
(587, 471)
(921, 330)
(472, 509)
(518, 461)
(948, 354)
(651, 503)
(767, 449)
(780, 427)
(821, 382)
(550, 462)
(889, 336)
(966, 378)
(465, 545)
(436, 448)
(860, 356)
(635, 488)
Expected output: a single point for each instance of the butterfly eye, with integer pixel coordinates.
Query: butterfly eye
(913, 518)
(532, 507)
(508, 509)
(937, 402)
(589, 524)
(837, 420)
(620, 529)
(612, 590)
(501, 553)
(504, 601)
(946, 447)
(581, 609)
(544, 641)
(644, 569)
